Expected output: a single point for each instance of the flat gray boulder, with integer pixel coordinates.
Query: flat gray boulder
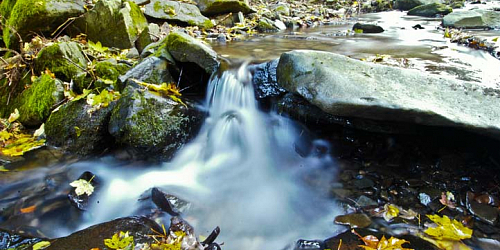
(177, 12)
(216, 7)
(346, 87)
(472, 19)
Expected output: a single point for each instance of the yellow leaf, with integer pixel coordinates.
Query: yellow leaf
(495, 39)
(448, 229)
(40, 131)
(5, 135)
(78, 131)
(119, 241)
(390, 212)
(41, 245)
(82, 187)
(22, 144)
(392, 243)
(13, 116)
(447, 244)
(3, 169)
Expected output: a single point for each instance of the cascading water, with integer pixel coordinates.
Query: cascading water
(240, 173)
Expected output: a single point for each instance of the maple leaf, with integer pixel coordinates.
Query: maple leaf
(390, 212)
(83, 187)
(392, 243)
(447, 244)
(119, 241)
(448, 229)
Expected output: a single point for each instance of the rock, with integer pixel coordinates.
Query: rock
(363, 183)
(471, 19)
(152, 70)
(346, 87)
(77, 129)
(309, 245)
(108, 72)
(267, 25)
(177, 12)
(364, 201)
(152, 125)
(37, 101)
(28, 17)
(264, 80)
(484, 212)
(216, 7)
(353, 220)
(430, 10)
(185, 48)
(149, 35)
(280, 8)
(368, 28)
(66, 61)
(114, 23)
(93, 237)
(81, 201)
(10, 240)
(410, 4)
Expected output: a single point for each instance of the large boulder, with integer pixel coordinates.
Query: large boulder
(114, 23)
(470, 19)
(215, 7)
(65, 60)
(28, 17)
(152, 125)
(264, 80)
(93, 237)
(152, 70)
(78, 128)
(346, 87)
(410, 4)
(177, 12)
(37, 101)
(185, 48)
(367, 28)
(430, 10)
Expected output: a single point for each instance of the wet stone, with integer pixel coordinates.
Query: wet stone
(353, 220)
(341, 193)
(309, 245)
(364, 201)
(363, 183)
(484, 212)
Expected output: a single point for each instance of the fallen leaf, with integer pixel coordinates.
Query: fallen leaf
(447, 244)
(82, 187)
(448, 199)
(28, 210)
(13, 116)
(119, 241)
(390, 212)
(448, 229)
(41, 245)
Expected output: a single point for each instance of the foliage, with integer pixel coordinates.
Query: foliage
(373, 243)
(164, 89)
(448, 199)
(448, 229)
(13, 142)
(83, 186)
(390, 212)
(41, 245)
(120, 241)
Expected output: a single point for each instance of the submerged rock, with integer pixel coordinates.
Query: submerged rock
(185, 48)
(93, 237)
(346, 87)
(470, 19)
(430, 10)
(28, 17)
(215, 7)
(264, 80)
(368, 28)
(10, 240)
(177, 12)
(76, 128)
(114, 23)
(154, 126)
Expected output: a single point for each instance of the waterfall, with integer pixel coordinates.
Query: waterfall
(241, 173)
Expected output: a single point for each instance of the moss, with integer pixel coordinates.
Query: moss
(6, 8)
(9, 94)
(110, 71)
(23, 12)
(157, 6)
(36, 102)
(138, 20)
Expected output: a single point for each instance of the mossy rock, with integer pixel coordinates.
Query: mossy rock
(266, 25)
(37, 101)
(185, 48)
(66, 61)
(177, 12)
(28, 17)
(151, 70)
(113, 23)
(156, 127)
(410, 4)
(78, 130)
(9, 92)
(430, 10)
(217, 7)
(109, 71)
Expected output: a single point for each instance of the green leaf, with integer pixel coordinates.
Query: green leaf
(78, 131)
(86, 92)
(41, 245)
(97, 47)
(119, 241)
(82, 187)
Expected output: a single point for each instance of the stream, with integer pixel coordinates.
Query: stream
(243, 171)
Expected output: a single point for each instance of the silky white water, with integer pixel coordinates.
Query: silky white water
(240, 173)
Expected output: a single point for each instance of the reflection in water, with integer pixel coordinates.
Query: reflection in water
(425, 49)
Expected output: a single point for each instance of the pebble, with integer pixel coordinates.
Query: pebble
(364, 201)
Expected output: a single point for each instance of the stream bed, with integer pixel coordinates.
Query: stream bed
(267, 180)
